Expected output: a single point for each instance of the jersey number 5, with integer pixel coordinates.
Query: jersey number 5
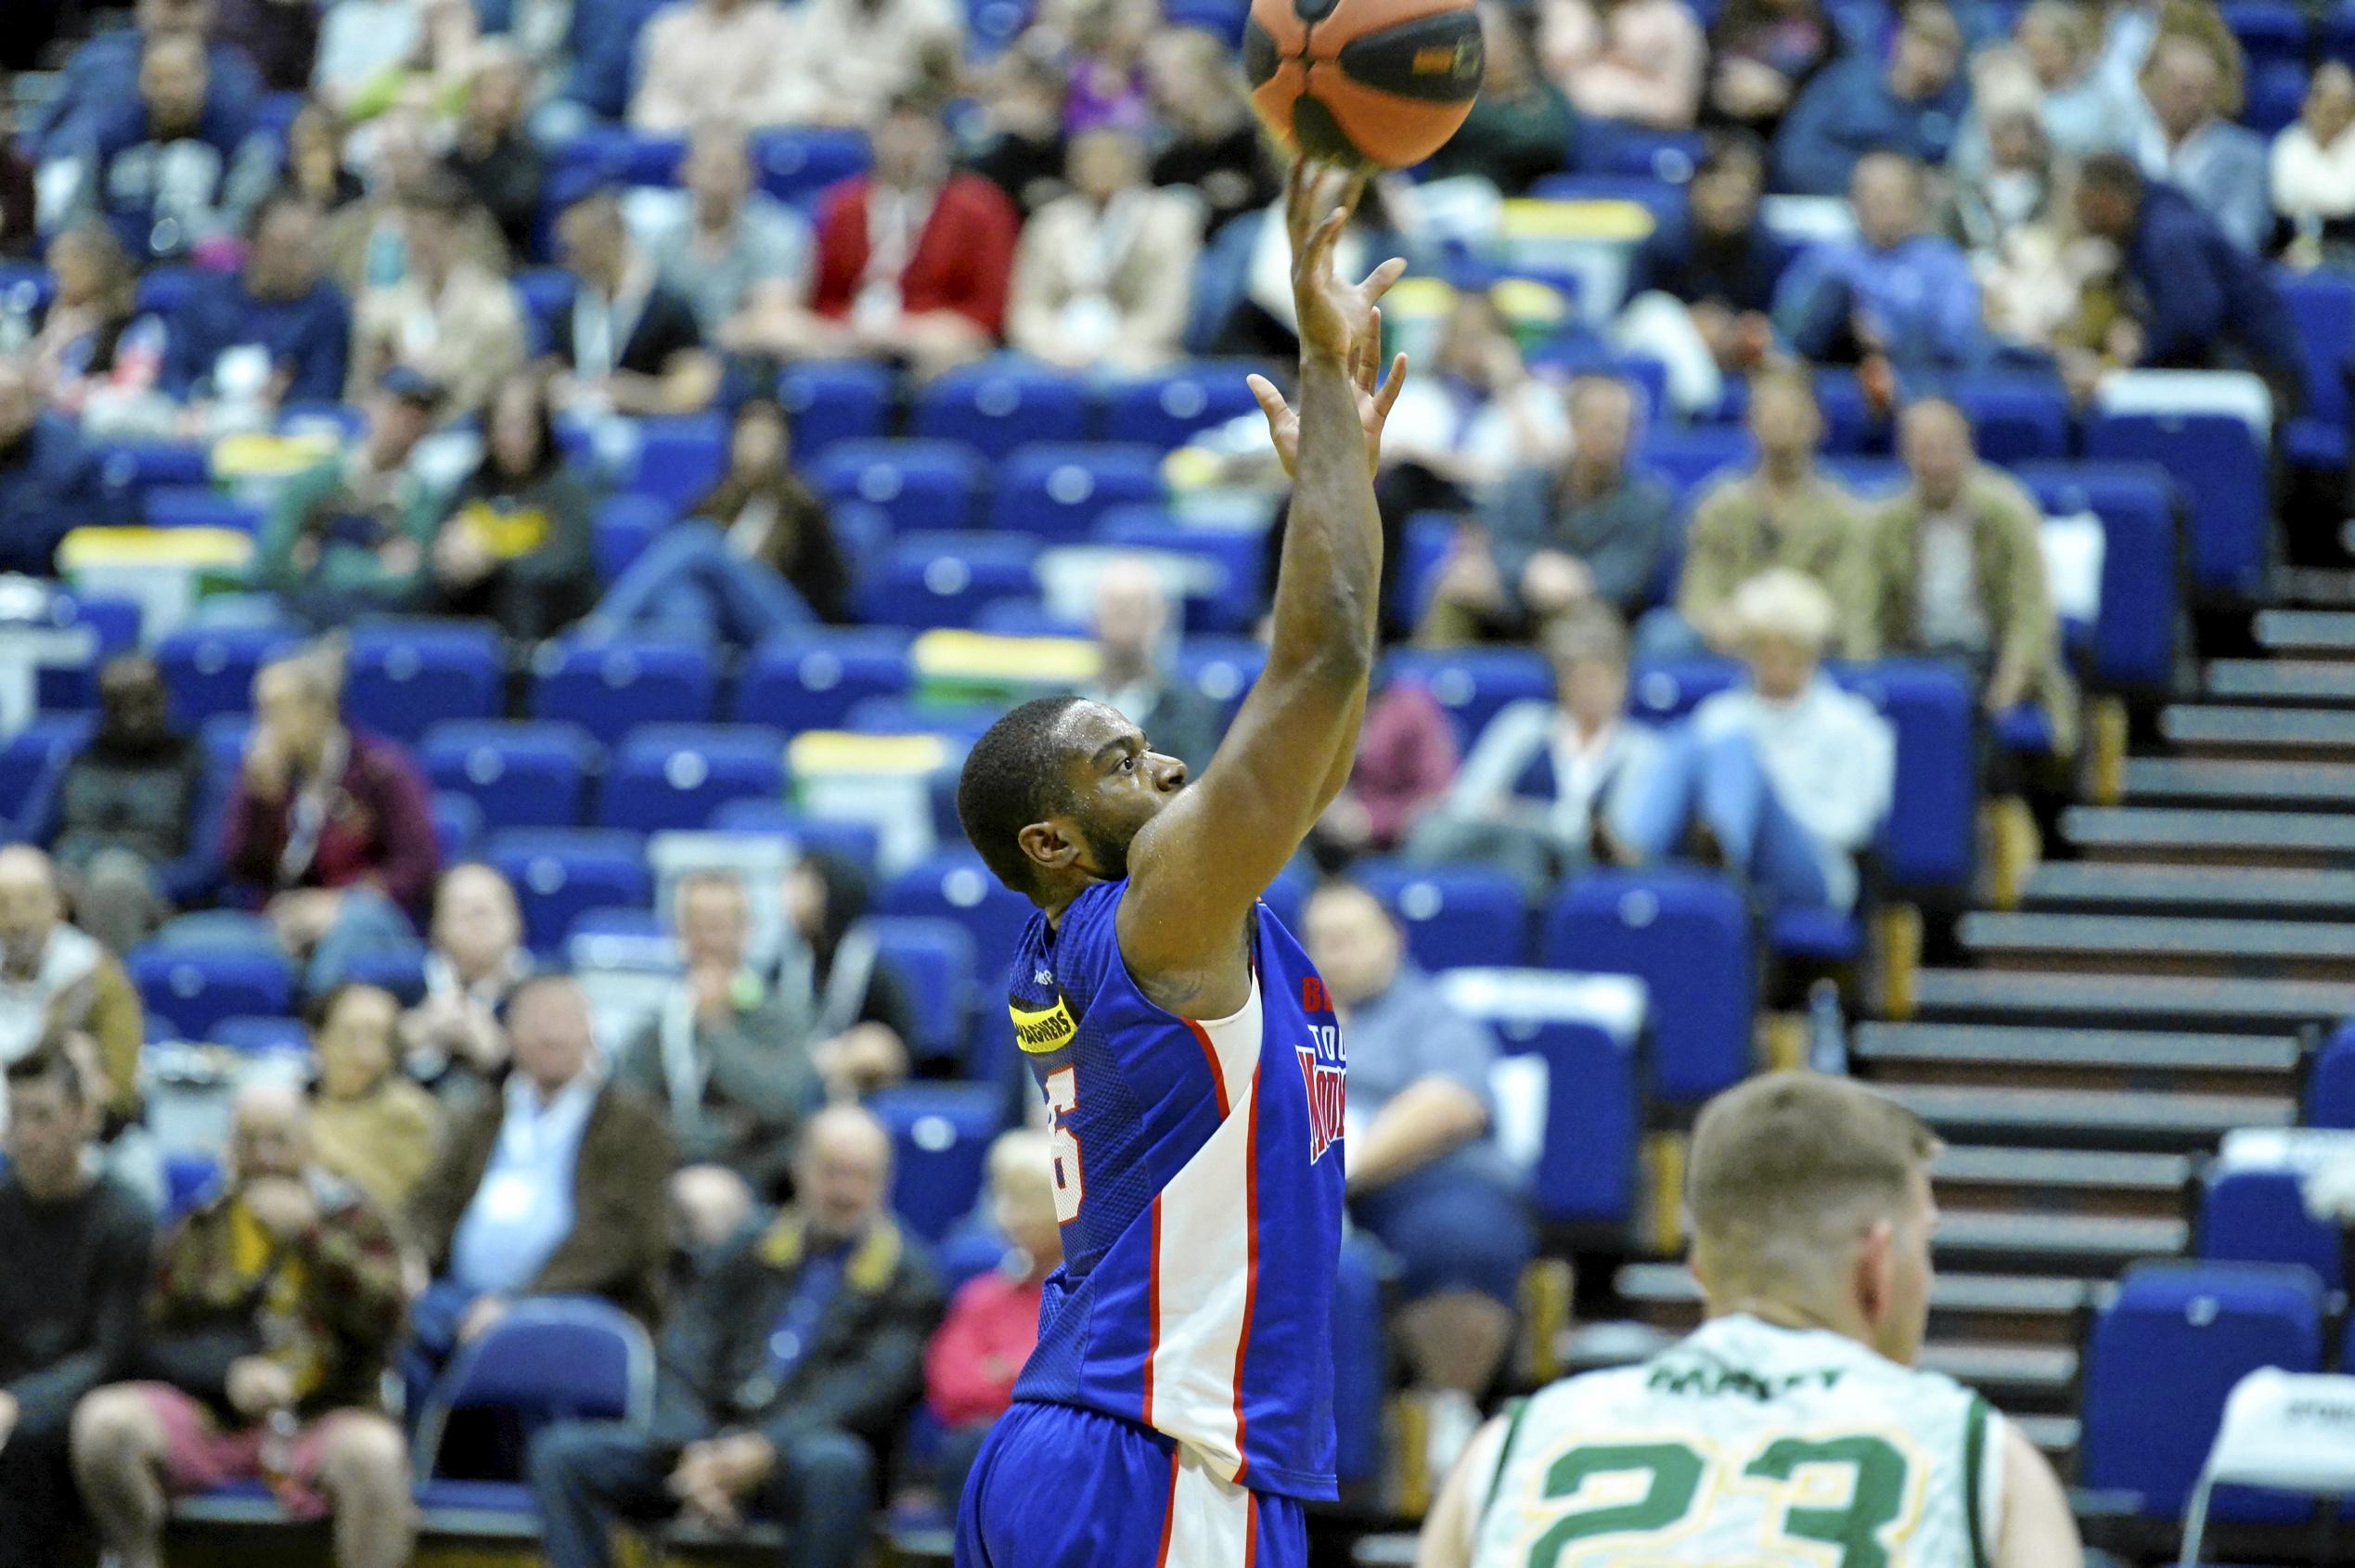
(1063, 1097)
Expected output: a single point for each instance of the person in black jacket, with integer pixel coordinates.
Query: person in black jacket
(859, 1011)
(783, 1374)
(48, 477)
(70, 1323)
(515, 546)
(127, 807)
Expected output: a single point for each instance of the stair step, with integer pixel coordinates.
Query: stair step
(2146, 945)
(2008, 1308)
(2060, 1169)
(2232, 1005)
(2220, 729)
(2040, 1376)
(2329, 587)
(2307, 631)
(2167, 833)
(2185, 780)
(2056, 1434)
(2292, 681)
(2123, 888)
(2010, 1049)
(2079, 1246)
(2067, 1119)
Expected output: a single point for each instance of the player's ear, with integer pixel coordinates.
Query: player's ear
(1050, 844)
(1875, 1280)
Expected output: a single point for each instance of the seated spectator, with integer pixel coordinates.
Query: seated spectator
(992, 1324)
(103, 72)
(347, 536)
(2313, 167)
(913, 258)
(1132, 635)
(2081, 108)
(127, 805)
(48, 477)
(1898, 301)
(367, 241)
(56, 982)
(854, 56)
(628, 343)
(1782, 513)
(1016, 141)
(1637, 60)
(1472, 416)
(2187, 142)
(727, 1058)
(1702, 284)
(1425, 1179)
(1788, 775)
(756, 553)
(450, 319)
(2036, 274)
(1214, 148)
(171, 166)
(315, 166)
(96, 353)
(271, 1323)
(1762, 53)
(737, 255)
(332, 826)
(2010, 185)
(1591, 531)
(552, 1188)
(246, 343)
(1954, 569)
(491, 153)
(2198, 301)
(1909, 106)
(73, 1322)
(1544, 777)
(514, 549)
(732, 59)
(369, 1124)
(1521, 125)
(1405, 760)
(362, 43)
(454, 1040)
(829, 967)
(1104, 275)
(785, 1373)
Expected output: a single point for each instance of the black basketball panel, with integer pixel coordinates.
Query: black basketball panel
(1319, 136)
(1437, 58)
(1259, 56)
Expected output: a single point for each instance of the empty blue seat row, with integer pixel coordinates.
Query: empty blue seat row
(662, 776)
(1053, 490)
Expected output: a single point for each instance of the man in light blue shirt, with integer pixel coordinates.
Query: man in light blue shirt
(738, 255)
(2222, 167)
(1896, 290)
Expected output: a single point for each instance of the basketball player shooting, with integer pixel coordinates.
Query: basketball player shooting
(1178, 1408)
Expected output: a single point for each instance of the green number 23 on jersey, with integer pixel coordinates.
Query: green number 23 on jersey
(1675, 1471)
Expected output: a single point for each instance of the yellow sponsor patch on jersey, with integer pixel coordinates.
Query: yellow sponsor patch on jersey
(1040, 1033)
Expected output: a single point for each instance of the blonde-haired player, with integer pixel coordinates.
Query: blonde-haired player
(1790, 1430)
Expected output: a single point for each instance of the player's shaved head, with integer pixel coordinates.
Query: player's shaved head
(1012, 778)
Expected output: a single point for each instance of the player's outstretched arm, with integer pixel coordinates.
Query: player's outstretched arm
(2039, 1531)
(1450, 1530)
(1196, 869)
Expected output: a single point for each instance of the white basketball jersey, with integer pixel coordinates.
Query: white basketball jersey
(1745, 1445)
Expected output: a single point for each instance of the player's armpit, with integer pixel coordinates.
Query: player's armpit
(1452, 1528)
(2039, 1531)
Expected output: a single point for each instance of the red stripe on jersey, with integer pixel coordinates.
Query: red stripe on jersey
(1210, 1055)
(1250, 1529)
(1251, 1265)
(1153, 1311)
(1168, 1514)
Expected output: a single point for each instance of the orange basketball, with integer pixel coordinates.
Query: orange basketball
(1359, 81)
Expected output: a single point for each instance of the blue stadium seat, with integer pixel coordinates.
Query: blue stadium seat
(940, 1135)
(190, 1178)
(2015, 418)
(990, 25)
(1610, 146)
(209, 669)
(2259, 1216)
(405, 677)
(1687, 457)
(2330, 1087)
(1586, 1171)
(398, 970)
(1647, 190)
(457, 826)
(608, 687)
(2338, 33)
(1002, 404)
(2135, 638)
(127, 470)
(1031, 618)
(928, 580)
(1822, 936)
(2276, 93)
(162, 290)
(1221, 668)
(114, 626)
(2270, 33)
(193, 985)
(546, 1359)
(196, 506)
(2162, 1355)
(679, 457)
(1059, 491)
(796, 164)
(1664, 693)
(26, 288)
(1687, 937)
(1167, 409)
(620, 529)
(810, 679)
(676, 775)
(31, 762)
(559, 872)
(2322, 304)
(964, 723)
(2221, 467)
(854, 842)
(933, 961)
(919, 484)
(1423, 547)
(547, 293)
(257, 1036)
(834, 400)
(1233, 601)
(1472, 683)
(522, 775)
(1454, 917)
(1930, 840)
(956, 886)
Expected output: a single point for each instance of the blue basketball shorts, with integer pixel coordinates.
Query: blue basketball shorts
(1057, 1487)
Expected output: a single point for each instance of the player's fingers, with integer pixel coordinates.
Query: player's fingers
(1389, 393)
(1354, 190)
(1369, 366)
(1378, 281)
(1296, 188)
(1271, 402)
(1319, 249)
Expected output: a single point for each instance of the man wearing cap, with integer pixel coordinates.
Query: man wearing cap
(348, 535)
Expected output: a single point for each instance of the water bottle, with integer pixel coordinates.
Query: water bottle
(1827, 1029)
(276, 1458)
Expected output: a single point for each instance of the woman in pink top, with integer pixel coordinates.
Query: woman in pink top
(1638, 60)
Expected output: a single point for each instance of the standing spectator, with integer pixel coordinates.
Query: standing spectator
(1017, 141)
(330, 825)
(830, 966)
(270, 1324)
(735, 59)
(2081, 108)
(992, 1324)
(1102, 275)
(1545, 777)
(1911, 107)
(1474, 417)
(1637, 60)
(56, 982)
(48, 478)
(628, 342)
(1898, 301)
(2188, 143)
(1782, 513)
(1763, 52)
(454, 1040)
(361, 43)
(1789, 774)
(347, 536)
(789, 1367)
(1214, 147)
(552, 1188)
(1521, 125)
(856, 55)
(96, 353)
(514, 547)
(277, 331)
(280, 36)
(103, 73)
(1425, 1180)
(728, 1057)
(127, 805)
(1591, 532)
(1132, 634)
(737, 255)
(756, 554)
(72, 1320)
(491, 152)
(2313, 167)
(370, 1124)
(450, 319)
(1954, 570)
(1702, 284)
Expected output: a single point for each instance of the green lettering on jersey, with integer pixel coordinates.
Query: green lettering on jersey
(1874, 1497)
(1675, 1471)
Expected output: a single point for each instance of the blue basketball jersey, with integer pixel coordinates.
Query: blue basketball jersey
(1198, 1170)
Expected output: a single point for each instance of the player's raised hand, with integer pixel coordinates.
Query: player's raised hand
(1376, 393)
(1333, 316)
